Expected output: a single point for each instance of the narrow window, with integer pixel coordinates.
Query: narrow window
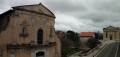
(106, 34)
(40, 54)
(40, 37)
(24, 29)
(115, 35)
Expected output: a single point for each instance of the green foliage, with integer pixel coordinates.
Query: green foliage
(74, 37)
(98, 35)
(92, 42)
(66, 43)
(68, 51)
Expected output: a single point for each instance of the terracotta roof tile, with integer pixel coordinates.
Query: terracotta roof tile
(86, 33)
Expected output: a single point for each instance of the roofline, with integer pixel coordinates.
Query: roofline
(26, 5)
(5, 13)
(87, 32)
(47, 9)
(15, 7)
(110, 26)
(86, 36)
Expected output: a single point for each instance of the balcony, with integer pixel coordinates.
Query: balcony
(29, 46)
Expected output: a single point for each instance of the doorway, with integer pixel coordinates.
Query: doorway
(40, 54)
(110, 37)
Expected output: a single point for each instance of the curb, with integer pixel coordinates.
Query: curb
(85, 54)
(93, 49)
(73, 53)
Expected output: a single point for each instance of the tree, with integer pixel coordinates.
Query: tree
(74, 37)
(92, 42)
(98, 35)
(66, 43)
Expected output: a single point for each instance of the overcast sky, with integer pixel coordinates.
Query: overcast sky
(76, 15)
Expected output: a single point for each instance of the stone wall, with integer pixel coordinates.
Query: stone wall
(29, 23)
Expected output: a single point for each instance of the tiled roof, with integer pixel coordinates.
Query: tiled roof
(87, 34)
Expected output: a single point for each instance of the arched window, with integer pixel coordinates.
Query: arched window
(40, 36)
(40, 54)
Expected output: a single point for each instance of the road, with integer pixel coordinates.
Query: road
(110, 50)
(118, 54)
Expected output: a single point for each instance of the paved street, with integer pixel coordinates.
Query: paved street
(118, 54)
(110, 50)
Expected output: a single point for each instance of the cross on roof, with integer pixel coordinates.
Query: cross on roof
(24, 24)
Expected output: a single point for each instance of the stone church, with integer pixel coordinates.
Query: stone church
(28, 31)
(111, 33)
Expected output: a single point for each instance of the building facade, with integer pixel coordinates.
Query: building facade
(84, 36)
(111, 33)
(28, 31)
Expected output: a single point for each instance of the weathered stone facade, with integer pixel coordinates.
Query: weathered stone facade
(111, 33)
(28, 31)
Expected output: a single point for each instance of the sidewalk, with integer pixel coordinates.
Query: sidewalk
(94, 53)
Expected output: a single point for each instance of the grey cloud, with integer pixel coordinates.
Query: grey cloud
(92, 15)
(100, 13)
(64, 6)
(99, 16)
(101, 10)
(2, 4)
(22, 2)
(108, 5)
